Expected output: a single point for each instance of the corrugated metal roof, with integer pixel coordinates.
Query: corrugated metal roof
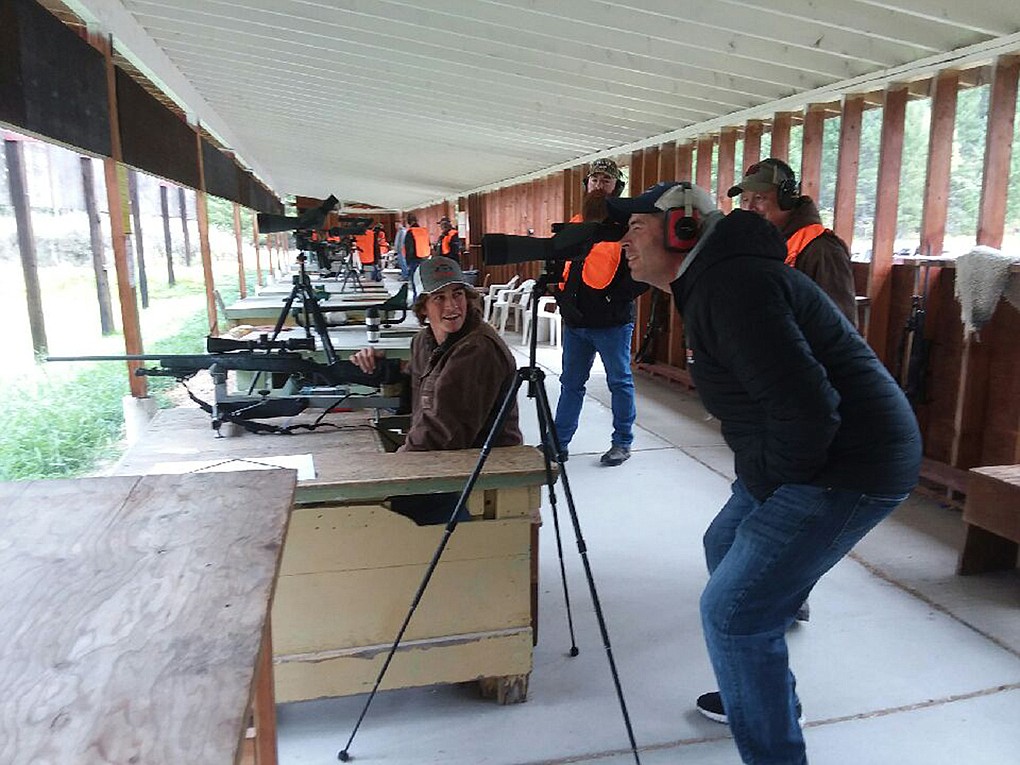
(400, 102)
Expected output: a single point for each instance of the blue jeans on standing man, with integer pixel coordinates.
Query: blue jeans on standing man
(580, 344)
(763, 558)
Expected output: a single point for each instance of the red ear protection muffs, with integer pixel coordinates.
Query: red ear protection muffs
(682, 225)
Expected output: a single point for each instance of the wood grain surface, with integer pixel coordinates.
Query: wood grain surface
(132, 612)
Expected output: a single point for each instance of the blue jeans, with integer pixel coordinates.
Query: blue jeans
(763, 559)
(579, 347)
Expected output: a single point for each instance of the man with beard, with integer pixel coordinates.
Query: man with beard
(596, 300)
(825, 443)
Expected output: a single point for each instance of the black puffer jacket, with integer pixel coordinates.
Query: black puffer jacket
(801, 397)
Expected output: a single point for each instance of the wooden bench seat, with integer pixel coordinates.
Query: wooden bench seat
(992, 514)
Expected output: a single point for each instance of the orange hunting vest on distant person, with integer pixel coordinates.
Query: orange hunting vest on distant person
(420, 237)
(366, 247)
(444, 242)
(599, 266)
(800, 239)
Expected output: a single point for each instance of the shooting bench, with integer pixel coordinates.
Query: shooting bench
(992, 515)
(351, 567)
(133, 626)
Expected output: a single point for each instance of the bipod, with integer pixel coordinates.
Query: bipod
(535, 377)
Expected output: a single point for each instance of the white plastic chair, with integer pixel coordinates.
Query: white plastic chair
(549, 311)
(489, 299)
(521, 307)
(509, 302)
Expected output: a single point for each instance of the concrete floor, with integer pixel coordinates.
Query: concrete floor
(903, 662)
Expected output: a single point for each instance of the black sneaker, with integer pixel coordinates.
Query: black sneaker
(710, 705)
(616, 455)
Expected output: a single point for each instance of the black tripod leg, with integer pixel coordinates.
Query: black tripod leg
(543, 404)
(511, 396)
(549, 439)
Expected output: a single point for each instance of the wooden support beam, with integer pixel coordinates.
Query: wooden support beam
(703, 173)
(258, 250)
(119, 205)
(998, 151)
(684, 161)
(103, 299)
(650, 168)
(242, 281)
(975, 364)
(26, 244)
(752, 144)
(848, 166)
(725, 168)
(781, 123)
(890, 160)
(667, 162)
(202, 214)
(811, 151)
(637, 172)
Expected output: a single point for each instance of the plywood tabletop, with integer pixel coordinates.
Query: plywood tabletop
(132, 612)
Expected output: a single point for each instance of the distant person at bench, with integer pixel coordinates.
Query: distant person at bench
(460, 371)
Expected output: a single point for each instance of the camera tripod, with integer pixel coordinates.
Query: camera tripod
(535, 378)
(311, 312)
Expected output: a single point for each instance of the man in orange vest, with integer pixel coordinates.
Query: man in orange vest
(416, 248)
(770, 189)
(596, 301)
(449, 240)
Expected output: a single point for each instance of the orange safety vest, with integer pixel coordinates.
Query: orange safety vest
(420, 235)
(800, 239)
(444, 242)
(366, 247)
(600, 265)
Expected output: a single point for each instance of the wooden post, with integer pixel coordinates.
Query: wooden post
(727, 159)
(975, 365)
(136, 217)
(667, 162)
(811, 151)
(242, 280)
(944, 89)
(684, 162)
(887, 195)
(119, 205)
(258, 253)
(637, 172)
(998, 151)
(649, 168)
(781, 123)
(183, 207)
(202, 215)
(703, 174)
(752, 144)
(168, 244)
(26, 245)
(98, 255)
(848, 166)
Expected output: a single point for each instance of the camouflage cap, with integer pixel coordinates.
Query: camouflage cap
(605, 166)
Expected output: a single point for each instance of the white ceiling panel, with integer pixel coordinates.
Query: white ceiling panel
(398, 103)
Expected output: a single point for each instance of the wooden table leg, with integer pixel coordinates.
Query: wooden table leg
(264, 703)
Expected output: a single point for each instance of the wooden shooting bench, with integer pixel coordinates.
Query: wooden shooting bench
(134, 618)
(351, 567)
(992, 514)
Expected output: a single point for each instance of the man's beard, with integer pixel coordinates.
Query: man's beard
(594, 207)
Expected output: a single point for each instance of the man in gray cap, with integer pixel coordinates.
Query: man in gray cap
(770, 189)
(596, 300)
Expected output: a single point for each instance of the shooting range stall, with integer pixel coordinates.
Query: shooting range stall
(134, 622)
(351, 567)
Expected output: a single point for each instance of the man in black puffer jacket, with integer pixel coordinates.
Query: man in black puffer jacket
(825, 443)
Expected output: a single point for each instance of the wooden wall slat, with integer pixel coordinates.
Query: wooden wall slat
(781, 123)
(727, 161)
(752, 144)
(703, 173)
(848, 164)
(811, 152)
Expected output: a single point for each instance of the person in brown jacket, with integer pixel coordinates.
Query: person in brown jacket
(460, 372)
(770, 189)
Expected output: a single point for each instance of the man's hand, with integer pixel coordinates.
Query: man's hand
(365, 359)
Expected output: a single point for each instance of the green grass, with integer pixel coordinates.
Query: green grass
(64, 421)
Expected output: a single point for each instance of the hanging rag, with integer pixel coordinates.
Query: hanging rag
(982, 278)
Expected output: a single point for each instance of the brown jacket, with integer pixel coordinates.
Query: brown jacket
(457, 387)
(825, 259)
